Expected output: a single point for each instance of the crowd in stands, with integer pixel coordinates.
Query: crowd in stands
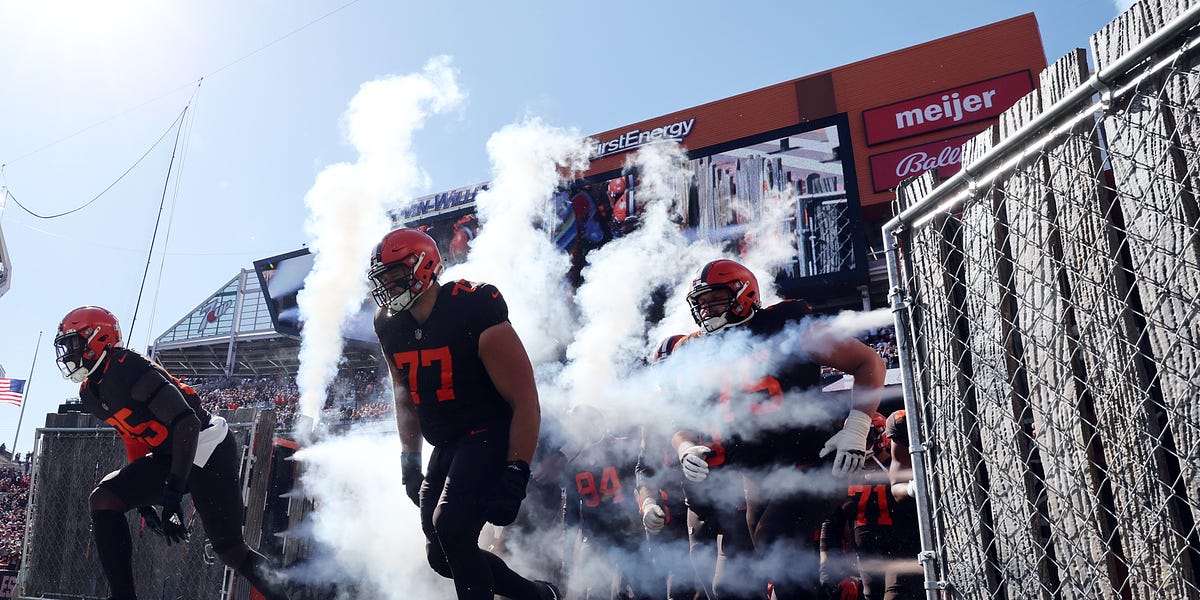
(14, 495)
(353, 396)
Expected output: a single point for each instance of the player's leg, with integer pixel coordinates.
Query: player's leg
(431, 493)
(459, 516)
(789, 526)
(138, 483)
(217, 497)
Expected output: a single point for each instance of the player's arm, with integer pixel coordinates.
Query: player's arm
(410, 436)
(900, 472)
(165, 401)
(406, 413)
(508, 365)
(860, 361)
(868, 369)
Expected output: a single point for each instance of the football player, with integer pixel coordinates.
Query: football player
(175, 448)
(661, 499)
(756, 432)
(601, 486)
(901, 581)
(463, 381)
(866, 523)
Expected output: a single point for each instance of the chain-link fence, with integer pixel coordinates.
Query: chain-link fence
(60, 561)
(1048, 309)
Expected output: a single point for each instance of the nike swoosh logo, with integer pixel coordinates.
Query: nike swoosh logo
(495, 294)
(476, 431)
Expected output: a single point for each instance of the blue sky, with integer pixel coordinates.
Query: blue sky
(89, 87)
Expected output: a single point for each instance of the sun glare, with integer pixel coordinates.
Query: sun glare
(74, 27)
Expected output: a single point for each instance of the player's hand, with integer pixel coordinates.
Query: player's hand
(503, 506)
(846, 589)
(150, 518)
(653, 517)
(410, 475)
(850, 444)
(174, 526)
(691, 457)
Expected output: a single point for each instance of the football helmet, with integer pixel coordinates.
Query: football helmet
(84, 338)
(724, 294)
(403, 266)
(666, 347)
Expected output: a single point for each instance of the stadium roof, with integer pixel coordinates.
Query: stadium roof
(231, 334)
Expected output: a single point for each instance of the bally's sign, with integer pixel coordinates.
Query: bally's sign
(890, 168)
(636, 137)
(945, 109)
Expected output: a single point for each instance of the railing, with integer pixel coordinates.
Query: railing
(1047, 303)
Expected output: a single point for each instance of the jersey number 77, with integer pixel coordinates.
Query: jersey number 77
(413, 360)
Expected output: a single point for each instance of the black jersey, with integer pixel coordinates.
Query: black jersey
(124, 393)
(904, 537)
(439, 363)
(602, 487)
(761, 418)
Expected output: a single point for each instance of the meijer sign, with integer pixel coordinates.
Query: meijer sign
(945, 109)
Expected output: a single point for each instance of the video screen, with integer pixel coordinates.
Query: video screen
(282, 278)
(728, 191)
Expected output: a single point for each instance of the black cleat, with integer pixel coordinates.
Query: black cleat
(549, 591)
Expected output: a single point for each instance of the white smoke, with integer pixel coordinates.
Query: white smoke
(621, 276)
(348, 205)
(369, 532)
(586, 344)
(512, 251)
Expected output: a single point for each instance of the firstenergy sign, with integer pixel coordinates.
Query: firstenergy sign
(636, 137)
(945, 109)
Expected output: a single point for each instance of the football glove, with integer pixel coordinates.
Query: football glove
(850, 444)
(150, 518)
(846, 589)
(502, 508)
(653, 517)
(691, 457)
(174, 526)
(410, 475)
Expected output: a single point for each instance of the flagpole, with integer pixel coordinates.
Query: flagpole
(25, 399)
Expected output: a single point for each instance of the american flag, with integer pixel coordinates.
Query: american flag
(12, 391)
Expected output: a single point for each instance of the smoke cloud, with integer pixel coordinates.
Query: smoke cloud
(589, 345)
(348, 206)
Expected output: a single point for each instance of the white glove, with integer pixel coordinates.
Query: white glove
(912, 488)
(850, 444)
(692, 458)
(653, 516)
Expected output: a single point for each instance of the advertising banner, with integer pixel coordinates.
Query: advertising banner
(945, 109)
(890, 168)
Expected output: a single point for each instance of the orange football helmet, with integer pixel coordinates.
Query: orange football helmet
(733, 308)
(403, 266)
(84, 337)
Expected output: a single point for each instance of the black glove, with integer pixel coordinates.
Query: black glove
(410, 475)
(503, 506)
(150, 518)
(174, 527)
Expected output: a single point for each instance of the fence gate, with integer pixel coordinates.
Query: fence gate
(1047, 302)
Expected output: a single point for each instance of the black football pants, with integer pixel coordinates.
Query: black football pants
(461, 475)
